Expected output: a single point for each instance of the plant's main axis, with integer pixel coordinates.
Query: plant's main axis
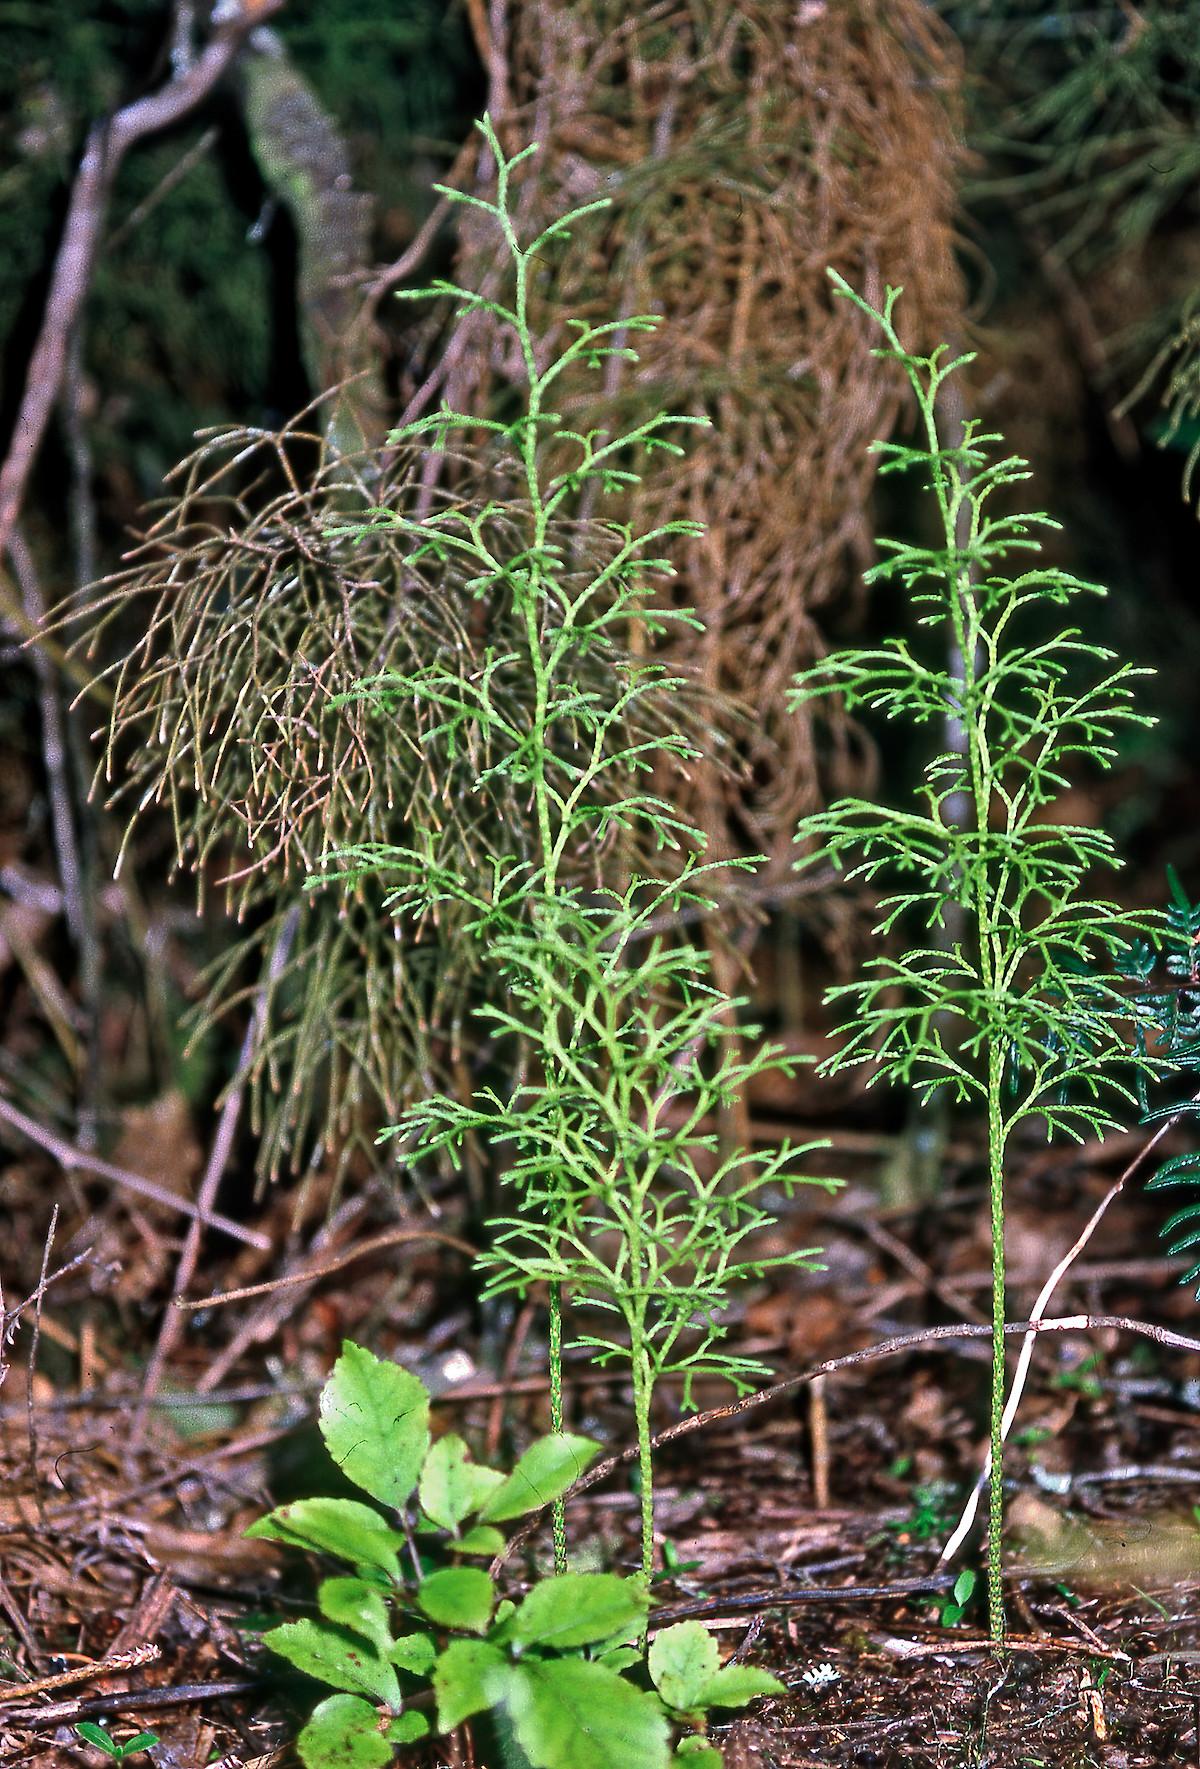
(1008, 994)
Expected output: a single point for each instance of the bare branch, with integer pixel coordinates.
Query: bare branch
(893, 1347)
(72, 1158)
(105, 148)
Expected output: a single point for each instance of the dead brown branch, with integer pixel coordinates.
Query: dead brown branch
(102, 1667)
(395, 1237)
(107, 144)
(893, 1347)
(73, 1159)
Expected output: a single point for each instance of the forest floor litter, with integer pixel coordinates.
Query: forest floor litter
(805, 1532)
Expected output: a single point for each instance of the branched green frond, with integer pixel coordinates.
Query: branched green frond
(1022, 1005)
(607, 1139)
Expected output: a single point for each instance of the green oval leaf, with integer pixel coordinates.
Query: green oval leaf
(682, 1660)
(483, 1539)
(343, 1733)
(579, 1608)
(407, 1728)
(414, 1653)
(458, 1597)
(735, 1685)
(333, 1655)
(97, 1736)
(375, 1422)
(451, 1486)
(568, 1713)
(469, 1677)
(697, 1753)
(335, 1526)
(544, 1472)
(357, 1605)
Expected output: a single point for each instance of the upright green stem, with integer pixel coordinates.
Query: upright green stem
(996, 1137)
(558, 1510)
(1008, 983)
(530, 594)
(959, 513)
(642, 1394)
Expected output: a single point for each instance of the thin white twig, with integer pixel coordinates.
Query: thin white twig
(1021, 1373)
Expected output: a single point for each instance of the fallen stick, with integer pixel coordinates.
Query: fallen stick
(395, 1237)
(70, 1157)
(99, 1667)
(893, 1347)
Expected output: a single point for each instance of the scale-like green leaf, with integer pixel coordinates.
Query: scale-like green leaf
(343, 1733)
(544, 1472)
(335, 1526)
(333, 1655)
(375, 1422)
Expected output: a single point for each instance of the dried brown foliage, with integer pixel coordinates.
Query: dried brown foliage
(746, 145)
(270, 588)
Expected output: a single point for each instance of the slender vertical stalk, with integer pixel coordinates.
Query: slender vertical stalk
(613, 1038)
(558, 1510)
(995, 1533)
(981, 845)
(643, 1386)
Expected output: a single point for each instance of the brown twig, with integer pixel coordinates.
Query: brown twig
(54, 744)
(179, 1695)
(107, 144)
(71, 1158)
(9, 1319)
(101, 1667)
(893, 1347)
(263, 1322)
(425, 235)
(395, 1237)
(31, 1366)
(214, 1172)
(818, 1430)
(794, 1596)
(65, 823)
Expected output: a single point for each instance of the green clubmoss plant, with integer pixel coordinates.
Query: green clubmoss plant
(1017, 1006)
(621, 1044)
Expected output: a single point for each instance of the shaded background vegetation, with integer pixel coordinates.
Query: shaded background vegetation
(1027, 171)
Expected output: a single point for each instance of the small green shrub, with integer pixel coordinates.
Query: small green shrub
(1009, 995)
(420, 1615)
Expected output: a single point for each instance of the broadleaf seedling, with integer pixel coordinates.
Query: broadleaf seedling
(411, 1648)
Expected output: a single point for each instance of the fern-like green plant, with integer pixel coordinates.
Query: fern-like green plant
(1168, 1020)
(1007, 996)
(621, 1042)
